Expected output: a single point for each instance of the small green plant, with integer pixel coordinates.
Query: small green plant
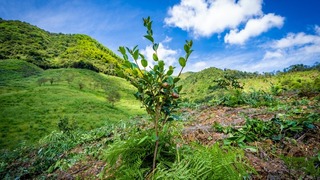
(81, 85)
(309, 165)
(66, 126)
(51, 80)
(157, 89)
(254, 98)
(42, 81)
(212, 162)
(275, 89)
(254, 130)
(228, 81)
(70, 78)
(113, 97)
(131, 156)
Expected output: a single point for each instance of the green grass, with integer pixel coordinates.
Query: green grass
(30, 111)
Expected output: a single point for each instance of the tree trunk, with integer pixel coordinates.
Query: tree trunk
(157, 116)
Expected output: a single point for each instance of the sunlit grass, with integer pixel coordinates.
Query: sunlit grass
(30, 111)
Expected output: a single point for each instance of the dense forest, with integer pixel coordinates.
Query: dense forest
(20, 40)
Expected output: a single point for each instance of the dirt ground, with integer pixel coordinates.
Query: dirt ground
(266, 160)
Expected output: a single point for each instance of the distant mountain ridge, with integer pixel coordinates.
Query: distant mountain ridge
(21, 40)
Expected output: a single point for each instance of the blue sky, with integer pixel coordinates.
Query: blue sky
(247, 35)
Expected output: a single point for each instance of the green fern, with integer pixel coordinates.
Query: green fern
(208, 163)
(131, 157)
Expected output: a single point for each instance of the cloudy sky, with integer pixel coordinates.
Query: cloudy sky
(248, 35)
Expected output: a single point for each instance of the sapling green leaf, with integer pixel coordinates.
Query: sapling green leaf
(155, 46)
(149, 37)
(182, 62)
(155, 57)
(135, 54)
(144, 63)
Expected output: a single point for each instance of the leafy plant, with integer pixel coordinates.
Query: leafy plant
(131, 155)
(254, 129)
(213, 162)
(309, 165)
(253, 98)
(229, 81)
(113, 96)
(81, 85)
(157, 89)
(42, 81)
(66, 126)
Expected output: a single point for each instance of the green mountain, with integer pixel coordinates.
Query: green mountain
(33, 101)
(20, 40)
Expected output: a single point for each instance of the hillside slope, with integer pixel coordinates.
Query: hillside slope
(32, 107)
(202, 86)
(20, 40)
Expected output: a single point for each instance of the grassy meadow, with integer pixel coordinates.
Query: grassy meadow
(33, 101)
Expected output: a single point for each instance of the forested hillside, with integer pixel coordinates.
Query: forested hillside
(20, 40)
(212, 83)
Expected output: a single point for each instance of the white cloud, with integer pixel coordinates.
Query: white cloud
(167, 39)
(206, 17)
(299, 48)
(196, 66)
(169, 56)
(253, 28)
(273, 54)
(297, 40)
(200, 65)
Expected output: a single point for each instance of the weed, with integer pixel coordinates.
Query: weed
(253, 98)
(254, 130)
(309, 165)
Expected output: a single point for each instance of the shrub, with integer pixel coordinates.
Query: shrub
(253, 98)
(130, 157)
(113, 97)
(51, 80)
(81, 85)
(70, 78)
(42, 81)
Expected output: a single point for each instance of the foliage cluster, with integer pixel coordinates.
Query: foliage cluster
(309, 165)
(304, 87)
(227, 82)
(301, 67)
(213, 162)
(131, 156)
(254, 98)
(276, 129)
